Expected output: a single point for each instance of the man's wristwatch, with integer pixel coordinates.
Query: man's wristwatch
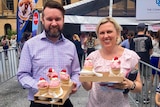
(133, 86)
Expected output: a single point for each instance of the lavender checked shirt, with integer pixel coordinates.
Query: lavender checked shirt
(39, 54)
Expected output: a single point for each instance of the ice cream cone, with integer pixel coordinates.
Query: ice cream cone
(65, 78)
(43, 91)
(116, 71)
(55, 90)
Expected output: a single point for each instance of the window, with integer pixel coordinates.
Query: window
(7, 26)
(9, 4)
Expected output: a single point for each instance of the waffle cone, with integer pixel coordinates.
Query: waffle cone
(54, 90)
(43, 90)
(116, 71)
(89, 68)
(65, 81)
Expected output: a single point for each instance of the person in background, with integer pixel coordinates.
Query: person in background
(5, 43)
(13, 41)
(142, 45)
(90, 43)
(50, 49)
(124, 33)
(150, 34)
(97, 44)
(77, 42)
(155, 55)
(126, 42)
(83, 38)
(108, 31)
(26, 35)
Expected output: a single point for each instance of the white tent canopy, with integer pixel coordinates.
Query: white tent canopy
(74, 11)
(95, 20)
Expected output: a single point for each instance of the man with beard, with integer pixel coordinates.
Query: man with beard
(50, 49)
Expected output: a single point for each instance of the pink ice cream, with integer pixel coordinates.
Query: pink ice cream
(115, 64)
(51, 73)
(64, 75)
(42, 83)
(55, 82)
(88, 65)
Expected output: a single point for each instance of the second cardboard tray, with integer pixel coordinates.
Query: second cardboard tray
(104, 78)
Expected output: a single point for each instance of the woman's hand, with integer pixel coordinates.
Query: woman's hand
(87, 85)
(125, 84)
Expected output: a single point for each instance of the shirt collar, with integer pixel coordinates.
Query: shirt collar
(43, 36)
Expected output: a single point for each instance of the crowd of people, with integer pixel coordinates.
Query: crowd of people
(11, 42)
(5, 44)
(51, 49)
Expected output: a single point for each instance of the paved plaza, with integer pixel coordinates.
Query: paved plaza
(13, 95)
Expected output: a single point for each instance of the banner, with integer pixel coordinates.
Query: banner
(148, 9)
(154, 27)
(88, 27)
(24, 12)
(35, 22)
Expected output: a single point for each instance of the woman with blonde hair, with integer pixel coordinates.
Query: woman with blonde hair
(80, 52)
(100, 94)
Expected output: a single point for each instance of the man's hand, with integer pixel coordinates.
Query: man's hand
(74, 89)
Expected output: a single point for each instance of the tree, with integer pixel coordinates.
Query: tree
(10, 33)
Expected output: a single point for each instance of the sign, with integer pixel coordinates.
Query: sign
(88, 27)
(35, 18)
(148, 9)
(24, 13)
(154, 27)
(35, 22)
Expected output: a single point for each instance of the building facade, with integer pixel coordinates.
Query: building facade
(8, 13)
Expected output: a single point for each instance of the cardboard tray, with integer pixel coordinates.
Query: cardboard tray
(67, 88)
(104, 78)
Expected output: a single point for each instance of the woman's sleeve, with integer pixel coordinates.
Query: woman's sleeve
(135, 59)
